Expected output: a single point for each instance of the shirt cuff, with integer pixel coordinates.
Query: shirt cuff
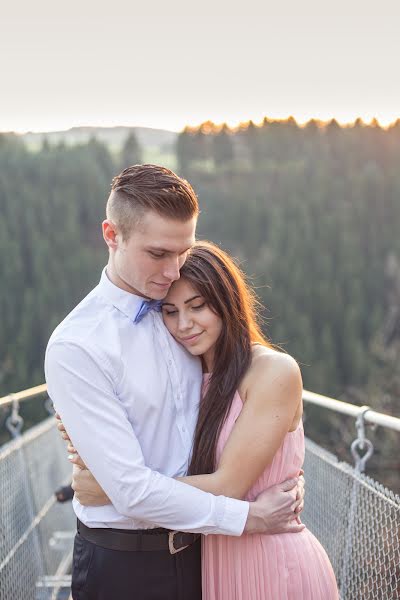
(234, 517)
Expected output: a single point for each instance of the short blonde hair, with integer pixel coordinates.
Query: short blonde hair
(149, 187)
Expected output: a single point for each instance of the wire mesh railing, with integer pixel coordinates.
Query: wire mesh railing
(355, 518)
(36, 532)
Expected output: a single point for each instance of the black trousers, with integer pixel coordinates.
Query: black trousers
(102, 574)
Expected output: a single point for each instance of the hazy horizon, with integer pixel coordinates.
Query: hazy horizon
(232, 126)
(165, 67)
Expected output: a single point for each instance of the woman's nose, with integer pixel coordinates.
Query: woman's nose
(185, 322)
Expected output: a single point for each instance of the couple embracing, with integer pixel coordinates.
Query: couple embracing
(184, 421)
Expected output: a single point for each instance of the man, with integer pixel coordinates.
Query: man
(128, 396)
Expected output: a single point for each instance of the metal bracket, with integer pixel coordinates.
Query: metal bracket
(361, 442)
(14, 421)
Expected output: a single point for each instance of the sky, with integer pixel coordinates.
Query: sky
(168, 65)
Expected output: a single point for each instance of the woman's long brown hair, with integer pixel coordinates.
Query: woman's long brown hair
(223, 285)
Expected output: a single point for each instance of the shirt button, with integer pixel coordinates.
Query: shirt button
(170, 362)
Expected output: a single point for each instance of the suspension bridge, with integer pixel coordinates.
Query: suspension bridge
(355, 518)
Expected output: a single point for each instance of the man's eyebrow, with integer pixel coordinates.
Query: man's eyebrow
(186, 301)
(165, 250)
(157, 249)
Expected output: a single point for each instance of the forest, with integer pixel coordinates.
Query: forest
(311, 213)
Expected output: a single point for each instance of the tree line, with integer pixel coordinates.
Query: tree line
(311, 213)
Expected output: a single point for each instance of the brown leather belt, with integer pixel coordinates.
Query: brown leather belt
(138, 540)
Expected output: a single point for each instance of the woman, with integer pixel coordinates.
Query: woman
(249, 434)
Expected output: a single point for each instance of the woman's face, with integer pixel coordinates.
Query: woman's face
(191, 321)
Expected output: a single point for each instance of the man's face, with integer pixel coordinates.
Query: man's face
(149, 261)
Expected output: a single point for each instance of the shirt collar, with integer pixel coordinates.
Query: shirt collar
(126, 302)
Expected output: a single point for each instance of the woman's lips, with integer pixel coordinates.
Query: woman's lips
(190, 339)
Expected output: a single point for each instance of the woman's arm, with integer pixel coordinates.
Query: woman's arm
(273, 398)
(87, 490)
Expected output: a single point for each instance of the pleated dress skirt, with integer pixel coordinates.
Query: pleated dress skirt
(290, 566)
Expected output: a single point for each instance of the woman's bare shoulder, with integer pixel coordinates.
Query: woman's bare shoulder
(268, 358)
(269, 368)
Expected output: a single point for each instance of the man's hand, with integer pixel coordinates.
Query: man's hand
(276, 510)
(300, 493)
(87, 491)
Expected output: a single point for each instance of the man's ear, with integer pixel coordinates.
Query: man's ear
(110, 234)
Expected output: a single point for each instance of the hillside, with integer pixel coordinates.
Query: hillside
(113, 137)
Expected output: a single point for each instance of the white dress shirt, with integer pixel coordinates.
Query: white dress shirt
(128, 395)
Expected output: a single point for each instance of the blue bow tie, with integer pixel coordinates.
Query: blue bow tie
(147, 306)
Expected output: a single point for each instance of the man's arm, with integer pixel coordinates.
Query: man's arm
(82, 387)
(276, 509)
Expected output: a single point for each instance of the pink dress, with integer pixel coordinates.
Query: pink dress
(290, 566)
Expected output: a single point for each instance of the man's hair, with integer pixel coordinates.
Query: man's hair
(149, 187)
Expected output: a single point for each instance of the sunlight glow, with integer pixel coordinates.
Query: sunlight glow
(20, 125)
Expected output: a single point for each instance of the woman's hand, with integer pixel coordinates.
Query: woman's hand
(87, 491)
(73, 455)
(60, 427)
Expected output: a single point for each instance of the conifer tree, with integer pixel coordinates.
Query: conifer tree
(131, 152)
(223, 147)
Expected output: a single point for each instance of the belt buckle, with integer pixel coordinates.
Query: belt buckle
(172, 549)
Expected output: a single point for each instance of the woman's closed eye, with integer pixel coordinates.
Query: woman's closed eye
(199, 306)
(169, 312)
(175, 311)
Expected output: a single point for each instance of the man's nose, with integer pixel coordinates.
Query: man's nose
(171, 270)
